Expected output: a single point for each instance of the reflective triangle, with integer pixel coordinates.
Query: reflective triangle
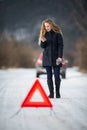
(28, 102)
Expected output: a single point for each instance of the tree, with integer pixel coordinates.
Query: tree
(80, 17)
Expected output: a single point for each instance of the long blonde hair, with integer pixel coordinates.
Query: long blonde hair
(54, 27)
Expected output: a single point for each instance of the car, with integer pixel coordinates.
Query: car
(40, 70)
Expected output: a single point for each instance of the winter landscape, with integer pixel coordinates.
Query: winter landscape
(20, 22)
(68, 113)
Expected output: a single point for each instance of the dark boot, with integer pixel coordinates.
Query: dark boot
(51, 88)
(57, 83)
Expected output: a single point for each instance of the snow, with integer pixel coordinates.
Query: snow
(68, 113)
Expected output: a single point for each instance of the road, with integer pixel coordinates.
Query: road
(68, 113)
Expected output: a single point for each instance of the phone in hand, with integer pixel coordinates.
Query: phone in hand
(58, 62)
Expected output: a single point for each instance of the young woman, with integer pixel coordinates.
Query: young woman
(51, 41)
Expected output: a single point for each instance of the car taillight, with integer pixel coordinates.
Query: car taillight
(39, 62)
(64, 63)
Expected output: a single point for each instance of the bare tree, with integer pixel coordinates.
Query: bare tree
(80, 17)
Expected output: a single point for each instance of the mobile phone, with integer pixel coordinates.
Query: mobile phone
(57, 62)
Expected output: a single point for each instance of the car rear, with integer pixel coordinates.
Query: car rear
(40, 70)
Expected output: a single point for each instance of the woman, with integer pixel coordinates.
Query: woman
(51, 41)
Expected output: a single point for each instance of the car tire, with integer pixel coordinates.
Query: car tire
(37, 75)
(63, 75)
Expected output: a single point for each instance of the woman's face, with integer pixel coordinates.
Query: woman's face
(47, 27)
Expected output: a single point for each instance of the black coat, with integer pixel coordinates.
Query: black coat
(52, 48)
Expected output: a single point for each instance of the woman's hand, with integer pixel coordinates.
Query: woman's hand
(43, 39)
(59, 59)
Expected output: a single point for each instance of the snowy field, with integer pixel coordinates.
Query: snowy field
(68, 113)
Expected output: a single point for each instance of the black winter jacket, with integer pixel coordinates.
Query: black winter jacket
(52, 48)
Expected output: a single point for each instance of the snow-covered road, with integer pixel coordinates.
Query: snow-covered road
(68, 113)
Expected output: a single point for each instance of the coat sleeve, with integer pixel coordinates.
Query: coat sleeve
(60, 45)
(43, 44)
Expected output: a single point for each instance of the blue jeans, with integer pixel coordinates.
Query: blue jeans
(56, 70)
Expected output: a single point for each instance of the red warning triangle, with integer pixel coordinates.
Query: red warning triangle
(28, 103)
